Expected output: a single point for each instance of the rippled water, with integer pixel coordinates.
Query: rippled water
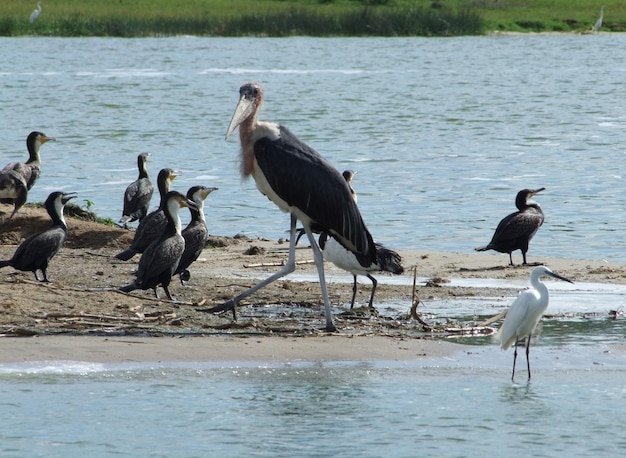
(443, 132)
(461, 406)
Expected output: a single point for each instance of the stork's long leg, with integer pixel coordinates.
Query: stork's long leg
(290, 266)
(318, 257)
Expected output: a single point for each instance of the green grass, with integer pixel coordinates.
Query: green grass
(130, 18)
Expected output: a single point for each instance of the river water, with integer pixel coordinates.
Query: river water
(443, 133)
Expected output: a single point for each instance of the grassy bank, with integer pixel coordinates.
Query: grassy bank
(130, 18)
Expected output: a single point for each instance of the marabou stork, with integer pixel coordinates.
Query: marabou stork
(300, 182)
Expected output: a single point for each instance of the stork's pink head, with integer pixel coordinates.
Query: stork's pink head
(250, 99)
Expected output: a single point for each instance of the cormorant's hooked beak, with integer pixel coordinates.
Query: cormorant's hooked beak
(245, 108)
(174, 174)
(560, 277)
(45, 138)
(67, 196)
(185, 202)
(535, 191)
(207, 191)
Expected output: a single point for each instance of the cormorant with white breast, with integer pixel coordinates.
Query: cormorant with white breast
(13, 188)
(300, 182)
(31, 169)
(160, 260)
(152, 225)
(196, 233)
(36, 251)
(516, 230)
(138, 194)
(387, 260)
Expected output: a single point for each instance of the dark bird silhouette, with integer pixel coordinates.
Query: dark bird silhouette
(516, 230)
(196, 232)
(138, 194)
(300, 182)
(31, 169)
(159, 261)
(151, 226)
(36, 251)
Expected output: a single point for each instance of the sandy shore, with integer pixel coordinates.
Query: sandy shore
(83, 316)
(219, 349)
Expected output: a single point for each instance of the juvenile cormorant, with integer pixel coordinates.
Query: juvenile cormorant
(516, 230)
(13, 188)
(32, 167)
(36, 251)
(159, 261)
(151, 226)
(196, 233)
(138, 194)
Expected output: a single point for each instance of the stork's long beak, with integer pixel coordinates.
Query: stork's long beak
(552, 274)
(245, 108)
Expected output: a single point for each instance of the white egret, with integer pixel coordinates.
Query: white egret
(36, 12)
(598, 24)
(525, 312)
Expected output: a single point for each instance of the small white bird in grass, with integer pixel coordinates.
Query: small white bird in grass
(36, 12)
(598, 24)
(525, 312)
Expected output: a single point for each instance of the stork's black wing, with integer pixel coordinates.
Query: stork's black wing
(305, 180)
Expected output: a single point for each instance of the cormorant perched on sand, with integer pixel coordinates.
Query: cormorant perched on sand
(36, 251)
(13, 188)
(158, 263)
(516, 230)
(138, 194)
(32, 167)
(386, 260)
(196, 233)
(151, 226)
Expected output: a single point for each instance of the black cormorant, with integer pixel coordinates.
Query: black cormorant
(516, 230)
(36, 251)
(151, 226)
(138, 194)
(196, 233)
(159, 261)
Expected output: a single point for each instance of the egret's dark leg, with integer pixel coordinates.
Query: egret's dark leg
(514, 358)
(289, 267)
(354, 286)
(527, 359)
(374, 284)
(318, 257)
